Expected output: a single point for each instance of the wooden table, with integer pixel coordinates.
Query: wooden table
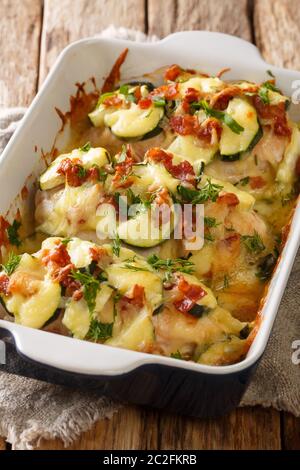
(32, 34)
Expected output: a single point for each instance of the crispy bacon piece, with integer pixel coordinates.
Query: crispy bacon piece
(182, 171)
(229, 199)
(72, 172)
(191, 95)
(114, 75)
(257, 182)
(172, 72)
(169, 92)
(121, 177)
(276, 113)
(189, 295)
(222, 71)
(145, 103)
(4, 283)
(113, 101)
(189, 125)
(136, 296)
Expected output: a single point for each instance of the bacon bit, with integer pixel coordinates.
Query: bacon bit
(162, 197)
(191, 293)
(3, 231)
(97, 253)
(170, 92)
(92, 174)
(71, 171)
(112, 101)
(230, 199)
(189, 125)
(183, 171)
(137, 93)
(24, 193)
(121, 177)
(276, 113)
(145, 103)
(58, 256)
(114, 75)
(222, 71)
(221, 99)
(190, 96)
(4, 282)
(136, 296)
(172, 72)
(78, 294)
(257, 182)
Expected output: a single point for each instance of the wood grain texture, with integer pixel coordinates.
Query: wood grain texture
(136, 428)
(291, 432)
(277, 32)
(20, 27)
(131, 428)
(68, 20)
(249, 428)
(227, 16)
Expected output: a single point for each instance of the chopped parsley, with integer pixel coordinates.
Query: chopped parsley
(270, 73)
(253, 243)
(264, 91)
(81, 172)
(221, 115)
(13, 235)
(86, 147)
(116, 245)
(209, 191)
(211, 222)
(90, 285)
(159, 101)
(243, 181)
(11, 264)
(171, 265)
(133, 267)
(65, 241)
(176, 355)
(100, 331)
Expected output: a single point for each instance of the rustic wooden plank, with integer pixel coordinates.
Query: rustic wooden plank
(277, 32)
(291, 432)
(227, 16)
(67, 21)
(132, 428)
(20, 27)
(249, 428)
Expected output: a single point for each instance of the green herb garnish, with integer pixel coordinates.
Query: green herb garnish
(100, 331)
(159, 101)
(81, 171)
(243, 181)
(134, 268)
(11, 264)
(211, 222)
(176, 355)
(171, 265)
(209, 191)
(270, 73)
(253, 243)
(264, 91)
(116, 245)
(86, 147)
(221, 115)
(65, 241)
(90, 285)
(12, 232)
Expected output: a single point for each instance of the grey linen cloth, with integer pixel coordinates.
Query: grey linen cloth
(31, 410)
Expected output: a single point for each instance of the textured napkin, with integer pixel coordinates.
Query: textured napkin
(31, 410)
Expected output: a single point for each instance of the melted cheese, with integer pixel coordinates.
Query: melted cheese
(190, 148)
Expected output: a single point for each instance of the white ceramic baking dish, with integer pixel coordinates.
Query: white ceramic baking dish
(94, 57)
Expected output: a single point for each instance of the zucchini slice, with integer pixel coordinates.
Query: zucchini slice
(137, 336)
(245, 114)
(202, 84)
(133, 122)
(189, 148)
(95, 156)
(33, 310)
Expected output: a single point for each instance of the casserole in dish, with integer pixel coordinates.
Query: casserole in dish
(71, 355)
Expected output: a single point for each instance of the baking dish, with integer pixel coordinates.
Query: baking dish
(158, 381)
